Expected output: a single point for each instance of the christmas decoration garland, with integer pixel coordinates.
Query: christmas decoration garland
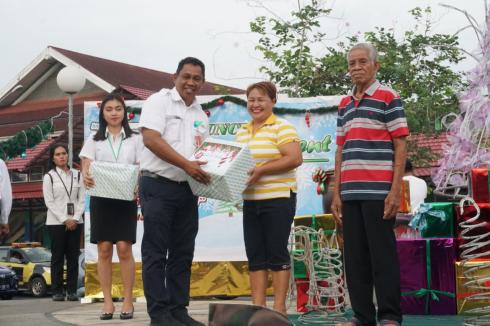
(21, 141)
(232, 99)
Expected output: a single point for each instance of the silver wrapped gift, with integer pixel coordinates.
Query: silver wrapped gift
(227, 164)
(114, 180)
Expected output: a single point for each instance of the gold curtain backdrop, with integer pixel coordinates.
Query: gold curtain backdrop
(207, 279)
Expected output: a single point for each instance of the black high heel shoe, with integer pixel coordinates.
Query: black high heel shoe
(126, 315)
(107, 315)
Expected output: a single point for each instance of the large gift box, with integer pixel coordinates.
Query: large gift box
(114, 180)
(480, 185)
(434, 220)
(427, 276)
(473, 285)
(228, 164)
(473, 234)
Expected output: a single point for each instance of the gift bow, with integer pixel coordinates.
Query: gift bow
(419, 221)
(428, 292)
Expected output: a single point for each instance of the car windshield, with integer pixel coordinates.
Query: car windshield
(38, 255)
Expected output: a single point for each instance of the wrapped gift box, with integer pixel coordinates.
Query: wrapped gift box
(434, 220)
(427, 276)
(228, 164)
(402, 229)
(473, 249)
(405, 197)
(114, 180)
(480, 185)
(473, 285)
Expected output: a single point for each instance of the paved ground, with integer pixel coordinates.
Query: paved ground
(88, 314)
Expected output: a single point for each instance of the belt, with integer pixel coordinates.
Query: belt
(157, 177)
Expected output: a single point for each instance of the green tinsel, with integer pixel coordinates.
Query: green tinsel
(17, 145)
(278, 110)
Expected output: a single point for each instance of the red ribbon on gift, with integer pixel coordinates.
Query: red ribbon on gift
(480, 185)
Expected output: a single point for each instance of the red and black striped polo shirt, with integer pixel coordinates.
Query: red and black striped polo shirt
(365, 129)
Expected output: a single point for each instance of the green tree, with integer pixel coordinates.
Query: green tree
(418, 66)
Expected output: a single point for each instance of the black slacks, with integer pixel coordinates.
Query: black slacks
(171, 223)
(371, 260)
(64, 244)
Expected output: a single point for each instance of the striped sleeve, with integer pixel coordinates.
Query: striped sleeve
(340, 132)
(286, 133)
(395, 119)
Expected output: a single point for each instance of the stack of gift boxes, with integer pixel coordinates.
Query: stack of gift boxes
(444, 263)
(444, 254)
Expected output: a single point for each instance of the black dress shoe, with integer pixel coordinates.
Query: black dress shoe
(72, 297)
(184, 318)
(166, 320)
(58, 297)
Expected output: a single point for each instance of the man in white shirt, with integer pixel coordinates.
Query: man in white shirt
(418, 188)
(173, 125)
(5, 198)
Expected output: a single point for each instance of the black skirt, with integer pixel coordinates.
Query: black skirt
(112, 220)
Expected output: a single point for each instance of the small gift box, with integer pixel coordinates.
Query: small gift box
(405, 197)
(114, 180)
(480, 185)
(427, 276)
(473, 233)
(473, 285)
(434, 220)
(402, 229)
(228, 164)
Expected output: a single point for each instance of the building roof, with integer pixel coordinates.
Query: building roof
(106, 74)
(434, 143)
(32, 154)
(27, 190)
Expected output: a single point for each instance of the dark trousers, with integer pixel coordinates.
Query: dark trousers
(371, 260)
(64, 244)
(171, 223)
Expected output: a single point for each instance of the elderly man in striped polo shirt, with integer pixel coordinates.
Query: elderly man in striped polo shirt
(369, 166)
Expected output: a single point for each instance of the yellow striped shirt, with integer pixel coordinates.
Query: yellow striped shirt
(264, 146)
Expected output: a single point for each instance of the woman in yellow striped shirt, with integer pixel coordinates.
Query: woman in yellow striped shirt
(270, 198)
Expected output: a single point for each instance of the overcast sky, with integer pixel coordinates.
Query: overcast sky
(157, 34)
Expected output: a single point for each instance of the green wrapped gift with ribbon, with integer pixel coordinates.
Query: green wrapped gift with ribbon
(434, 220)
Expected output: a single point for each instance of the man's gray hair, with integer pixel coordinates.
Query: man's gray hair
(372, 52)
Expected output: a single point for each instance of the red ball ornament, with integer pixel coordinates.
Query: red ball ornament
(307, 118)
(131, 115)
(207, 113)
(221, 101)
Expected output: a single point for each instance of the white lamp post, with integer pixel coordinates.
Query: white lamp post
(70, 80)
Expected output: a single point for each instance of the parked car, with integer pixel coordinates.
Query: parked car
(31, 263)
(8, 283)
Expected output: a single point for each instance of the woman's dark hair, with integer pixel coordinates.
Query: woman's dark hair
(52, 148)
(100, 134)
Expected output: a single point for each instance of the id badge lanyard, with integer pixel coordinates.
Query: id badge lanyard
(116, 155)
(70, 207)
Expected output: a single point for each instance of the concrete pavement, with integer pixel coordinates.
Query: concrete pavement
(88, 314)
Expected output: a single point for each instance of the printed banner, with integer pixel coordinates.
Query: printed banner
(220, 236)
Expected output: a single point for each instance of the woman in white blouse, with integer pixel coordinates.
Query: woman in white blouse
(64, 197)
(113, 221)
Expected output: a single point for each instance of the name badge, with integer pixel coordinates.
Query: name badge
(70, 209)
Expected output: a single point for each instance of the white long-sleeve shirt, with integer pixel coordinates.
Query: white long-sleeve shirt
(5, 193)
(56, 198)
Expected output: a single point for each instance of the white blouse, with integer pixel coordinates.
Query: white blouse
(115, 150)
(56, 196)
